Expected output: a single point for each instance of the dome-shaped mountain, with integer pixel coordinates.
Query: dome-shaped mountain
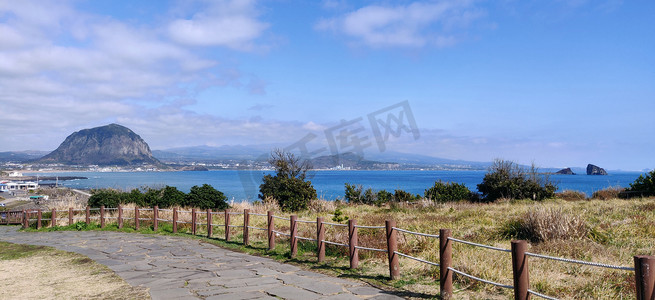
(112, 144)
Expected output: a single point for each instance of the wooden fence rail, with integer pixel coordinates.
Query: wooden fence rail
(644, 266)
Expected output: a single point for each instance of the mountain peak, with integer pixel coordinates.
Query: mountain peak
(111, 144)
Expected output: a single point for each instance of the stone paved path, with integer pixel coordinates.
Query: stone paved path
(181, 268)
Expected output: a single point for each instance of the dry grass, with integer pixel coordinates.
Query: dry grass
(607, 194)
(548, 224)
(570, 195)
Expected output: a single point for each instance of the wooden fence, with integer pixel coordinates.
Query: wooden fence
(644, 266)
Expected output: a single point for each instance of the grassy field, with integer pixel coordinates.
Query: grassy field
(606, 231)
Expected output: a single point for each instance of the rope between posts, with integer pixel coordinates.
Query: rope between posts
(416, 258)
(234, 225)
(218, 225)
(370, 249)
(166, 210)
(416, 233)
(282, 233)
(184, 211)
(333, 243)
(588, 263)
(281, 218)
(479, 245)
(370, 227)
(256, 214)
(482, 280)
(335, 224)
(163, 220)
(142, 219)
(234, 213)
(307, 239)
(258, 228)
(541, 295)
(303, 221)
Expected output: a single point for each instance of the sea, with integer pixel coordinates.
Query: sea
(239, 185)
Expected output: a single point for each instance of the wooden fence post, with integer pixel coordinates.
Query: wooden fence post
(352, 244)
(88, 215)
(320, 237)
(271, 228)
(392, 247)
(246, 223)
(155, 218)
(120, 217)
(520, 270)
(25, 219)
(53, 218)
(102, 216)
(193, 221)
(70, 216)
(136, 218)
(445, 260)
(645, 277)
(293, 229)
(38, 219)
(209, 223)
(227, 226)
(174, 219)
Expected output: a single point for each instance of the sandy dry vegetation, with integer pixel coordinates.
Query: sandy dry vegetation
(53, 274)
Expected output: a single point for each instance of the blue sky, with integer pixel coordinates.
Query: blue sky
(558, 83)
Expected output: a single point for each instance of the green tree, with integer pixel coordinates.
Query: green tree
(106, 197)
(288, 187)
(447, 191)
(507, 179)
(644, 184)
(403, 196)
(353, 193)
(205, 197)
(171, 196)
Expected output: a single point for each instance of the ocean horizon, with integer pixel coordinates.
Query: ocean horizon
(239, 185)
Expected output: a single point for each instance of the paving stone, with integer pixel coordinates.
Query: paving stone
(364, 290)
(343, 296)
(323, 288)
(289, 292)
(170, 293)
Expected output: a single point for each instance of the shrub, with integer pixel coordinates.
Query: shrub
(570, 195)
(606, 194)
(645, 185)
(171, 196)
(542, 225)
(402, 196)
(383, 197)
(447, 191)
(507, 179)
(354, 193)
(205, 197)
(106, 197)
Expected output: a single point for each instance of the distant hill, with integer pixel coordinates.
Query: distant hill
(112, 144)
(350, 160)
(208, 154)
(212, 154)
(21, 156)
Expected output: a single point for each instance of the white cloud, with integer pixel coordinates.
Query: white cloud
(232, 24)
(415, 25)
